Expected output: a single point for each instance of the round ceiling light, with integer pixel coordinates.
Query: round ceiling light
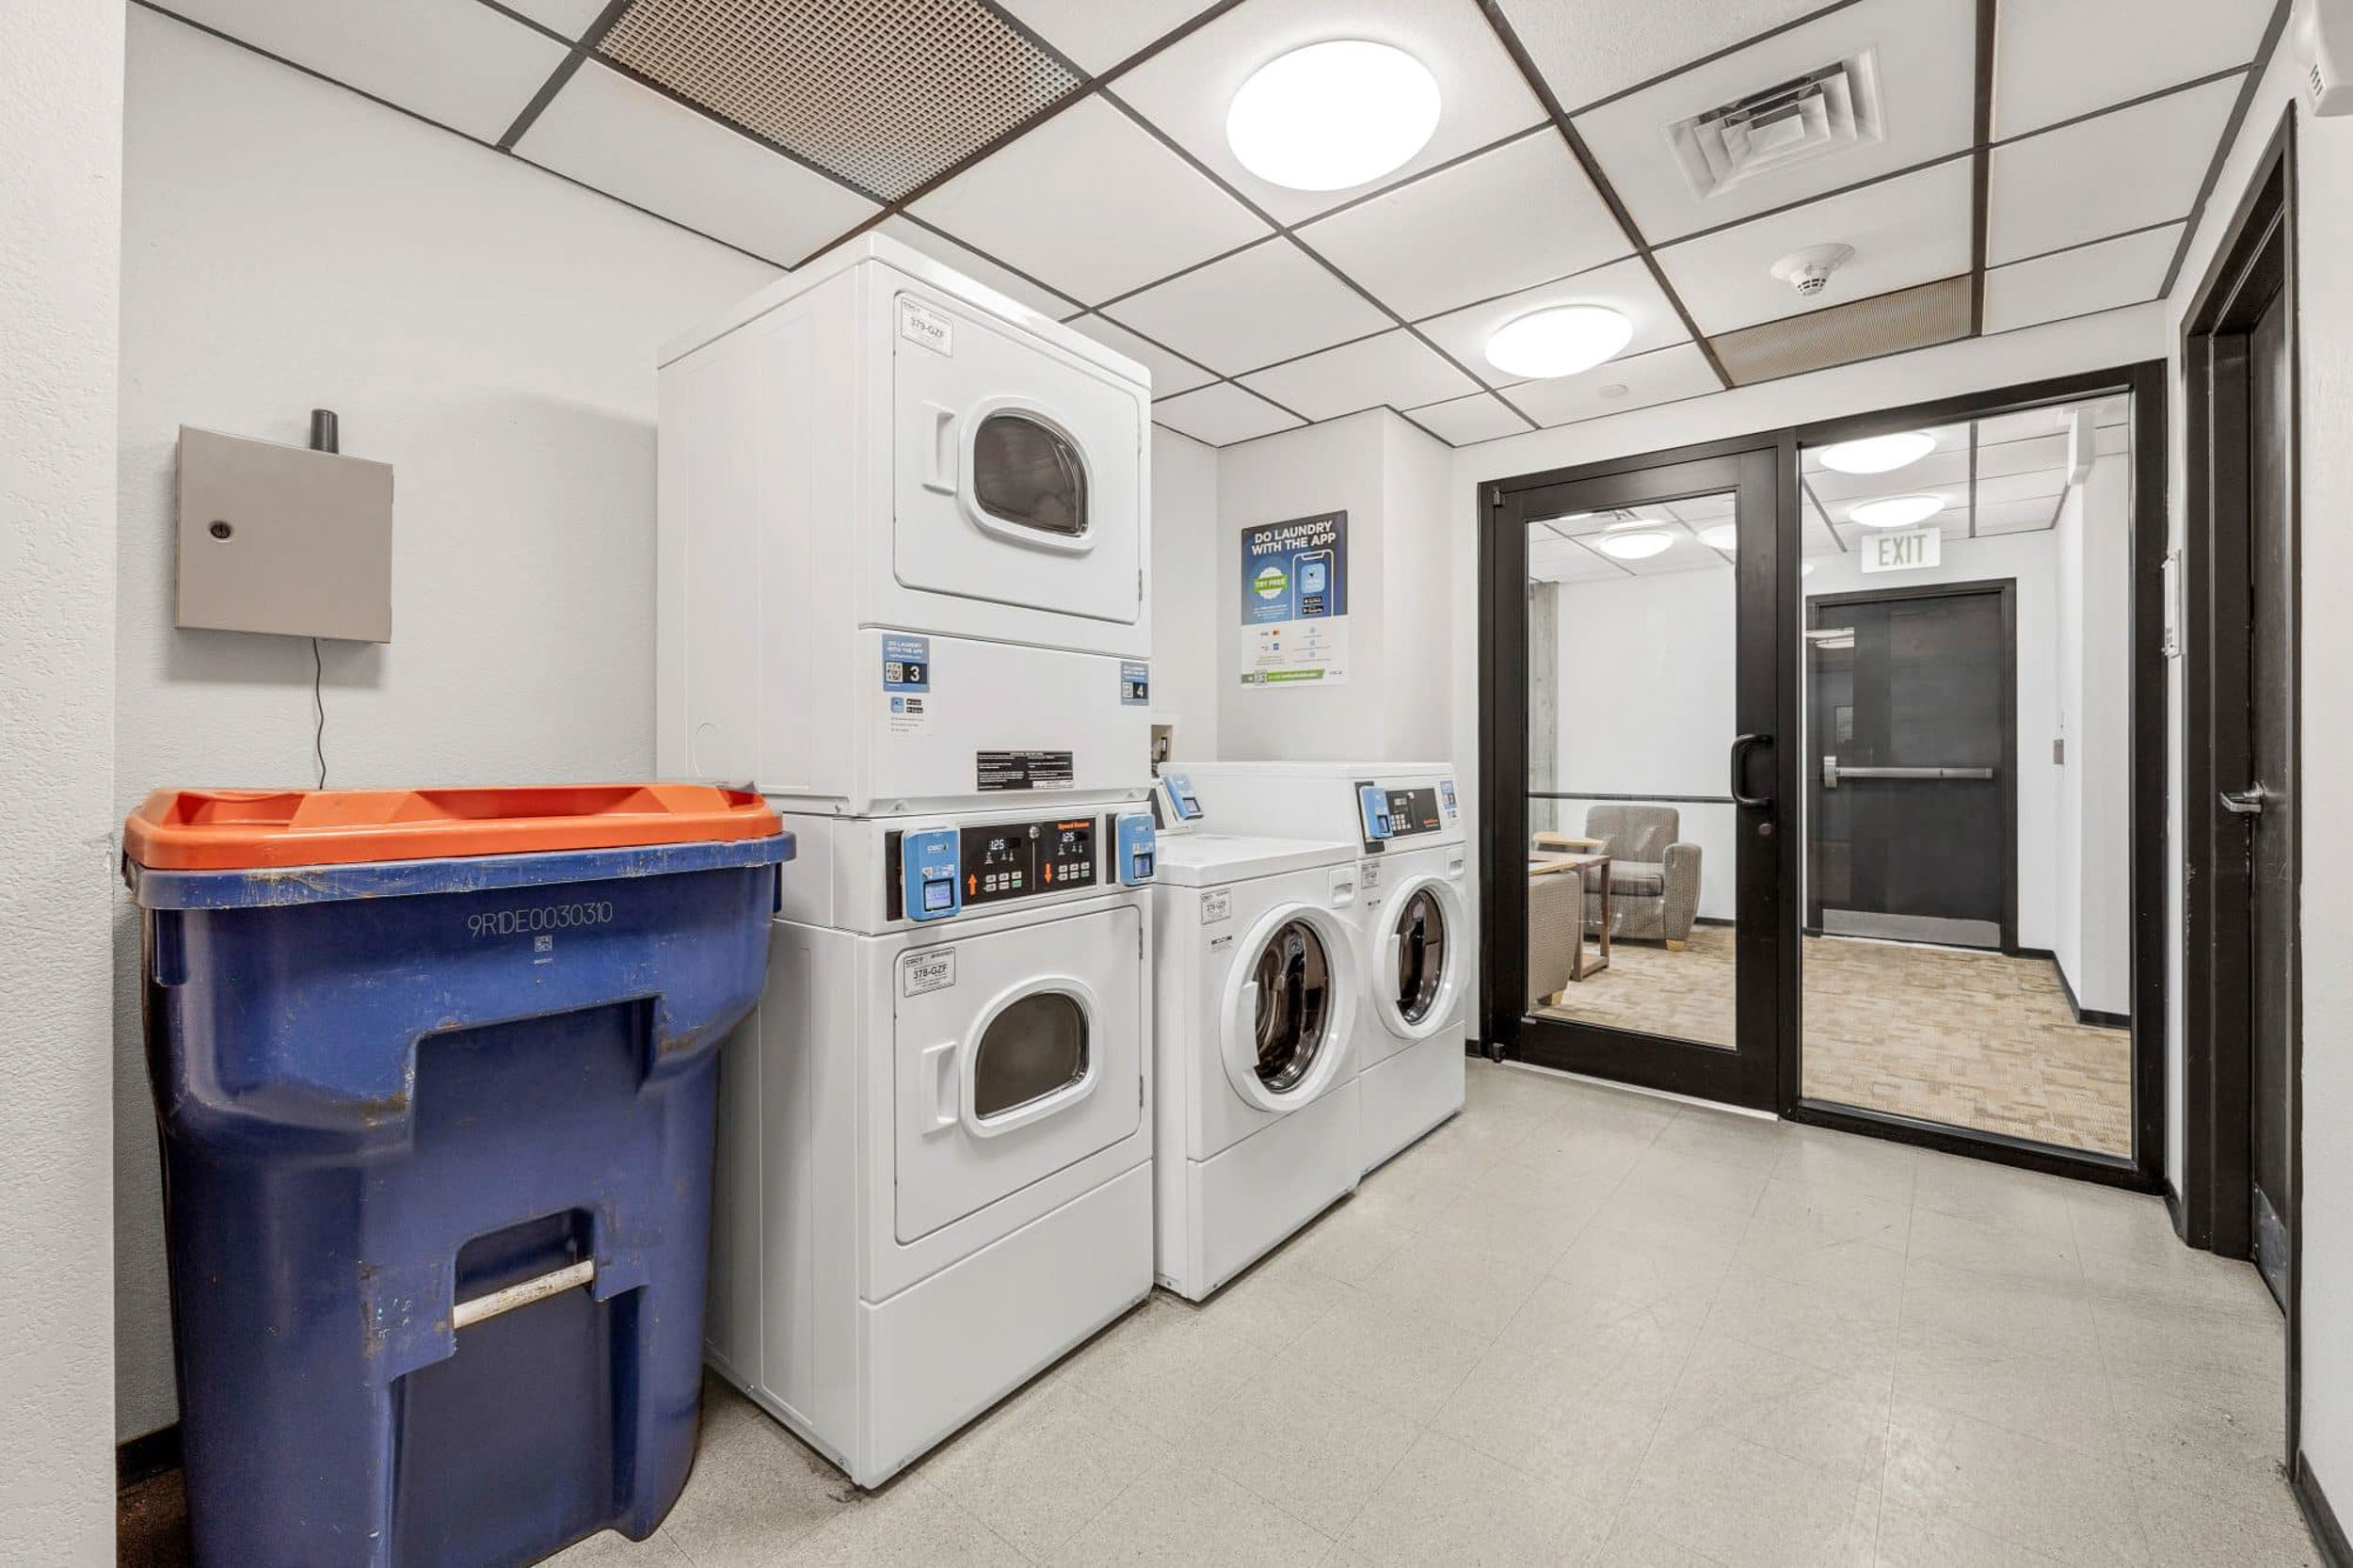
(1724, 535)
(1635, 547)
(1558, 341)
(1333, 115)
(1879, 454)
(1897, 511)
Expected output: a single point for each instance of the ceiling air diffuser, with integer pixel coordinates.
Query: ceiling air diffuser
(1818, 115)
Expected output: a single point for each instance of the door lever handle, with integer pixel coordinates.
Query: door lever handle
(2248, 802)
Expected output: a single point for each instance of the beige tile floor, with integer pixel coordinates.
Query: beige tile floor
(1941, 1035)
(1585, 1329)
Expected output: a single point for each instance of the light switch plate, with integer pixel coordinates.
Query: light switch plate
(283, 539)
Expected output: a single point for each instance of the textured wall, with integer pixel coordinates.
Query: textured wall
(60, 232)
(487, 331)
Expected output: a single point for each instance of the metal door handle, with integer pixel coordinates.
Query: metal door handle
(1741, 746)
(2248, 802)
(1833, 773)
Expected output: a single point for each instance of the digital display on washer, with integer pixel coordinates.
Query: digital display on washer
(1010, 860)
(1413, 812)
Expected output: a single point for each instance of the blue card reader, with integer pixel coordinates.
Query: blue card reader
(1137, 848)
(929, 863)
(1372, 804)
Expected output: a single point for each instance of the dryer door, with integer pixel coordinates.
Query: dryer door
(1419, 943)
(1017, 471)
(1289, 1005)
(1028, 1060)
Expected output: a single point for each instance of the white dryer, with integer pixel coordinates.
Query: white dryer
(936, 1130)
(1257, 988)
(1412, 922)
(903, 537)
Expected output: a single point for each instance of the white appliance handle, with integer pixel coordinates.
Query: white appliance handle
(939, 462)
(1243, 1025)
(1392, 963)
(940, 1079)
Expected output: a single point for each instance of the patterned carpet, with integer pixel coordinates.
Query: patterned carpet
(1973, 1039)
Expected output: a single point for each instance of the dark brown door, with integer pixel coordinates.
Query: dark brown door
(2265, 803)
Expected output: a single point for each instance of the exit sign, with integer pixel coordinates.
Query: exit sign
(1904, 550)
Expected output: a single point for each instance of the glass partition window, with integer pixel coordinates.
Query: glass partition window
(1631, 623)
(1965, 665)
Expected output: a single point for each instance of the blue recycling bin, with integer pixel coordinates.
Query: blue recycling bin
(436, 1074)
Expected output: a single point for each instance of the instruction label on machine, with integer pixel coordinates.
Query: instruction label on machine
(1023, 770)
(1294, 601)
(906, 684)
(931, 969)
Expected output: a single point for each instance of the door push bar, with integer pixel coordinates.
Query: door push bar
(1833, 773)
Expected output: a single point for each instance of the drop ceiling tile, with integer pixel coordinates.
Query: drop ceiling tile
(2046, 483)
(1626, 286)
(1099, 34)
(1922, 49)
(1091, 204)
(1253, 307)
(2101, 177)
(979, 268)
(2078, 282)
(1501, 221)
(1395, 368)
(1914, 229)
(2026, 425)
(1462, 421)
(455, 62)
(611, 133)
(1171, 373)
(2016, 516)
(1185, 89)
(2017, 454)
(1222, 415)
(567, 17)
(1597, 47)
(2054, 59)
(1664, 375)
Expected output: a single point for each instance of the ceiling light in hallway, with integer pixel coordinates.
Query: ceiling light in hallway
(1897, 511)
(1635, 547)
(1333, 115)
(1724, 535)
(1879, 454)
(1559, 340)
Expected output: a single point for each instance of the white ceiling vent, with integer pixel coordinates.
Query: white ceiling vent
(1818, 114)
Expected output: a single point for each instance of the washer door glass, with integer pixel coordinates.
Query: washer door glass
(1420, 932)
(1294, 979)
(1033, 1048)
(1030, 475)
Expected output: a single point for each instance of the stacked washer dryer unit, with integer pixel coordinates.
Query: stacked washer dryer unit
(1410, 920)
(901, 592)
(1258, 990)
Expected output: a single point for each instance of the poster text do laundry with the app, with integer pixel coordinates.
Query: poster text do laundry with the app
(1294, 601)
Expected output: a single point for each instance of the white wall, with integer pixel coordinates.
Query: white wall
(2091, 882)
(2325, 367)
(1391, 480)
(1185, 619)
(60, 235)
(485, 328)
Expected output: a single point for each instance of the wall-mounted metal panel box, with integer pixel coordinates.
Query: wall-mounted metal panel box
(283, 539)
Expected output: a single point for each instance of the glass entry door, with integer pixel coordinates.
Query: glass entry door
(1638, 796)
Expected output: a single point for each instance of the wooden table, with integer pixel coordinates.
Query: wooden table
(1553, 863)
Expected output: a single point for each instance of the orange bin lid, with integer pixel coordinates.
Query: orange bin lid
(242, 829)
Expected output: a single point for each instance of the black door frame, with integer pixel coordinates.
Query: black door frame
(2254, 263)
(1502, 704)
(2006, 589)
(1764, 471)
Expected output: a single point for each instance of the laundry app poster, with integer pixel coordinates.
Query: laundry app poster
(1294, 601)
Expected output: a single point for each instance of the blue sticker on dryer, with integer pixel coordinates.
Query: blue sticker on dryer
(906, 663)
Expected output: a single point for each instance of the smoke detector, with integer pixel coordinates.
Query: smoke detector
(1808, 271)
(1819, 114)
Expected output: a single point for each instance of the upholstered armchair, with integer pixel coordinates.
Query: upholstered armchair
(1653, 878)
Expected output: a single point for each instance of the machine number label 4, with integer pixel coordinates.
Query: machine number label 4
(931, 969)
(1135, 683)
(1217, 905)
(919, 324)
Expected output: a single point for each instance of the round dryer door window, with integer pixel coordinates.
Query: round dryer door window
(1294, 981)
(1025, 474)
(1420, 930)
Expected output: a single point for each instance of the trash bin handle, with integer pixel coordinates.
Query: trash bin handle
(498, 1302)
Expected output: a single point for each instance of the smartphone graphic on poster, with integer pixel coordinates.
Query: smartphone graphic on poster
(1315, 584)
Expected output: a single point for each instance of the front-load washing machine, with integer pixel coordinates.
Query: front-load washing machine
(935, 1171)
(902, 545)
(1411, 920)
(1257, 988)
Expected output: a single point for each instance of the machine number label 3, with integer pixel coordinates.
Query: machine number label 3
(907, 684)
(931, 969)
(919, 324)
(1023, 770)
(1217, 905)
